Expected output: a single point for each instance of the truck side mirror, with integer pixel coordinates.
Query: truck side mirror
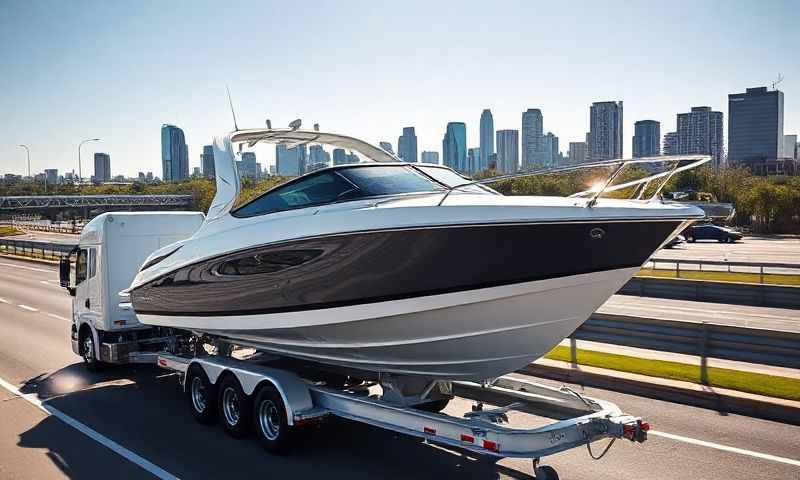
(63, 275)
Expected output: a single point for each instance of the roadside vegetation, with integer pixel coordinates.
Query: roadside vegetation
(9, 230)
(713, 276)
(750, 382)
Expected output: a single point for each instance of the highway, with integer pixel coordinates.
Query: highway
(139, 427)
(776, 249)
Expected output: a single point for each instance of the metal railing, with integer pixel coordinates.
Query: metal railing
(762, 268)
(34, 249)
(702, 339)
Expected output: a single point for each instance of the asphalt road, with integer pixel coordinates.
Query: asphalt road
(139, 413)
(777, 249)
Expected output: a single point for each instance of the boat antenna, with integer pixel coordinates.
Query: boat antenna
(235, 127)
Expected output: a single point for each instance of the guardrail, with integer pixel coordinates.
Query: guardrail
(741, 267)
(34, 249)
(706, 340)
(48, 226)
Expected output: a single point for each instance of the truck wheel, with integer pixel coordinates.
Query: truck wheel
(269, 420)
(87, 350)
(202, 395)
(546, 472)
(234, 407)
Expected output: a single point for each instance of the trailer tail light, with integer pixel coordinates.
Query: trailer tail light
(429, 430)
(467, 438)
(637, 432)
(162, 362)
(490, 445)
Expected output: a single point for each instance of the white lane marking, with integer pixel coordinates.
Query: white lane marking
(30, 309)
(3, 300)
(726, 448)
(89, 432)
(34, 269)
(58, 317)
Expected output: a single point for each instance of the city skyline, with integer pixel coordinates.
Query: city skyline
(46, 88)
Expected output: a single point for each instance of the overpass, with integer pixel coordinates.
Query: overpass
(90, 205)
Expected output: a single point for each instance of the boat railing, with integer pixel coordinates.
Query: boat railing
(677, 164)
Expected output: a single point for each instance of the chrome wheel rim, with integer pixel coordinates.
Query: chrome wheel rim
(269, 419)
(230, 406)
(88, 349)
(198, 390)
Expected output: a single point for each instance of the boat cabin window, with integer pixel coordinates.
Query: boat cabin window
(326, 187)
(389, 180)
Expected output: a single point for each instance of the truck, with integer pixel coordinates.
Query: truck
(252, 392)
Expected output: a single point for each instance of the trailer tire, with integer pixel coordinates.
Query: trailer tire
(234, 407)
(202, 395)
(270, 421)
(546, 472)
(435, 406)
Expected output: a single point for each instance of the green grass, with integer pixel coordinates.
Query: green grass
(739, 277)
(758, 383)
(7, 230)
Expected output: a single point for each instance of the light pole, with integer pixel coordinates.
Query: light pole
(80, 176)
(28, 150)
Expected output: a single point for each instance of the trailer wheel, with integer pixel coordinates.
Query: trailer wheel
(546, 472)
(269, 420)
(202, 395)
(87, 349)
(435, 406)
(234, 407)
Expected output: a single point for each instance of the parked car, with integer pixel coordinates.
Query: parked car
(676, 240)
(711, 232)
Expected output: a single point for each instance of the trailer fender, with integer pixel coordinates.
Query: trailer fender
(293, 389)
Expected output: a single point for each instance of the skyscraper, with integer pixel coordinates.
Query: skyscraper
(454, 146)
(671, 143)
(290, 162)
(386, 146)
(605, 131)
(577, 152)
(174, 154)
(318, 157)
(789, 147)
(207, 161)
(532, 132)
(407, 145)
(646, 139)
(486, 139)
(340, 157)
(507, 151)
(102, 167)
(755, 128)
(430, 157)
(248, 167)
(700, 131)
(548, 154)
(473, 160)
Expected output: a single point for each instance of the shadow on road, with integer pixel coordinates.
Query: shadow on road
(144, 410)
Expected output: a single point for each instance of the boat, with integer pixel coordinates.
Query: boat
(401, 268)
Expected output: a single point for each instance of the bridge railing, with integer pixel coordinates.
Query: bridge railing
(35, 249)
(763, 269)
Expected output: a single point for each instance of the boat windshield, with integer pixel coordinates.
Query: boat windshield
(344, 184)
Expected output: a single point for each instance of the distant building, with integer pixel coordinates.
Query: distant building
(532, 133)
(646, 139)
(507, 151)
(549, 151)
(577, 152)
(407, 145)
(290, 162)
(486, 139)
(51, 176)
(789, 147)
(755, 129)
(149, 177)
(430, 157)
(196, 172)
(174, 154)
(454, 146)
(473, 160)
(341, 157)
(671, 143)
(318, 157)
(102, 167)
(387, 146)
(248, 167)
(141, 177)
(207, 161)
(605, 131)
(493, 161)
(700, 131)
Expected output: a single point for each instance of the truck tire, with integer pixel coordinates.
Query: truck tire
(269, 421)
(234, 407)
(202, 395)
(87, 349)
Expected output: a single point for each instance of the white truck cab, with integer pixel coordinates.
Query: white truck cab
(111, 249)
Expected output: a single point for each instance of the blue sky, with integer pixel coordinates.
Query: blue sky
(118, 70)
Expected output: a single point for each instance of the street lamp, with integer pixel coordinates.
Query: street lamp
(29, 157)
(80, 176)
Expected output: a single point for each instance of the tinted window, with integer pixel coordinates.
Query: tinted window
(315, 190)
(80, 266)
(389, 180)
(452, 179)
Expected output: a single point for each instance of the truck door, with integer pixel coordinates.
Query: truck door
(87, 304)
